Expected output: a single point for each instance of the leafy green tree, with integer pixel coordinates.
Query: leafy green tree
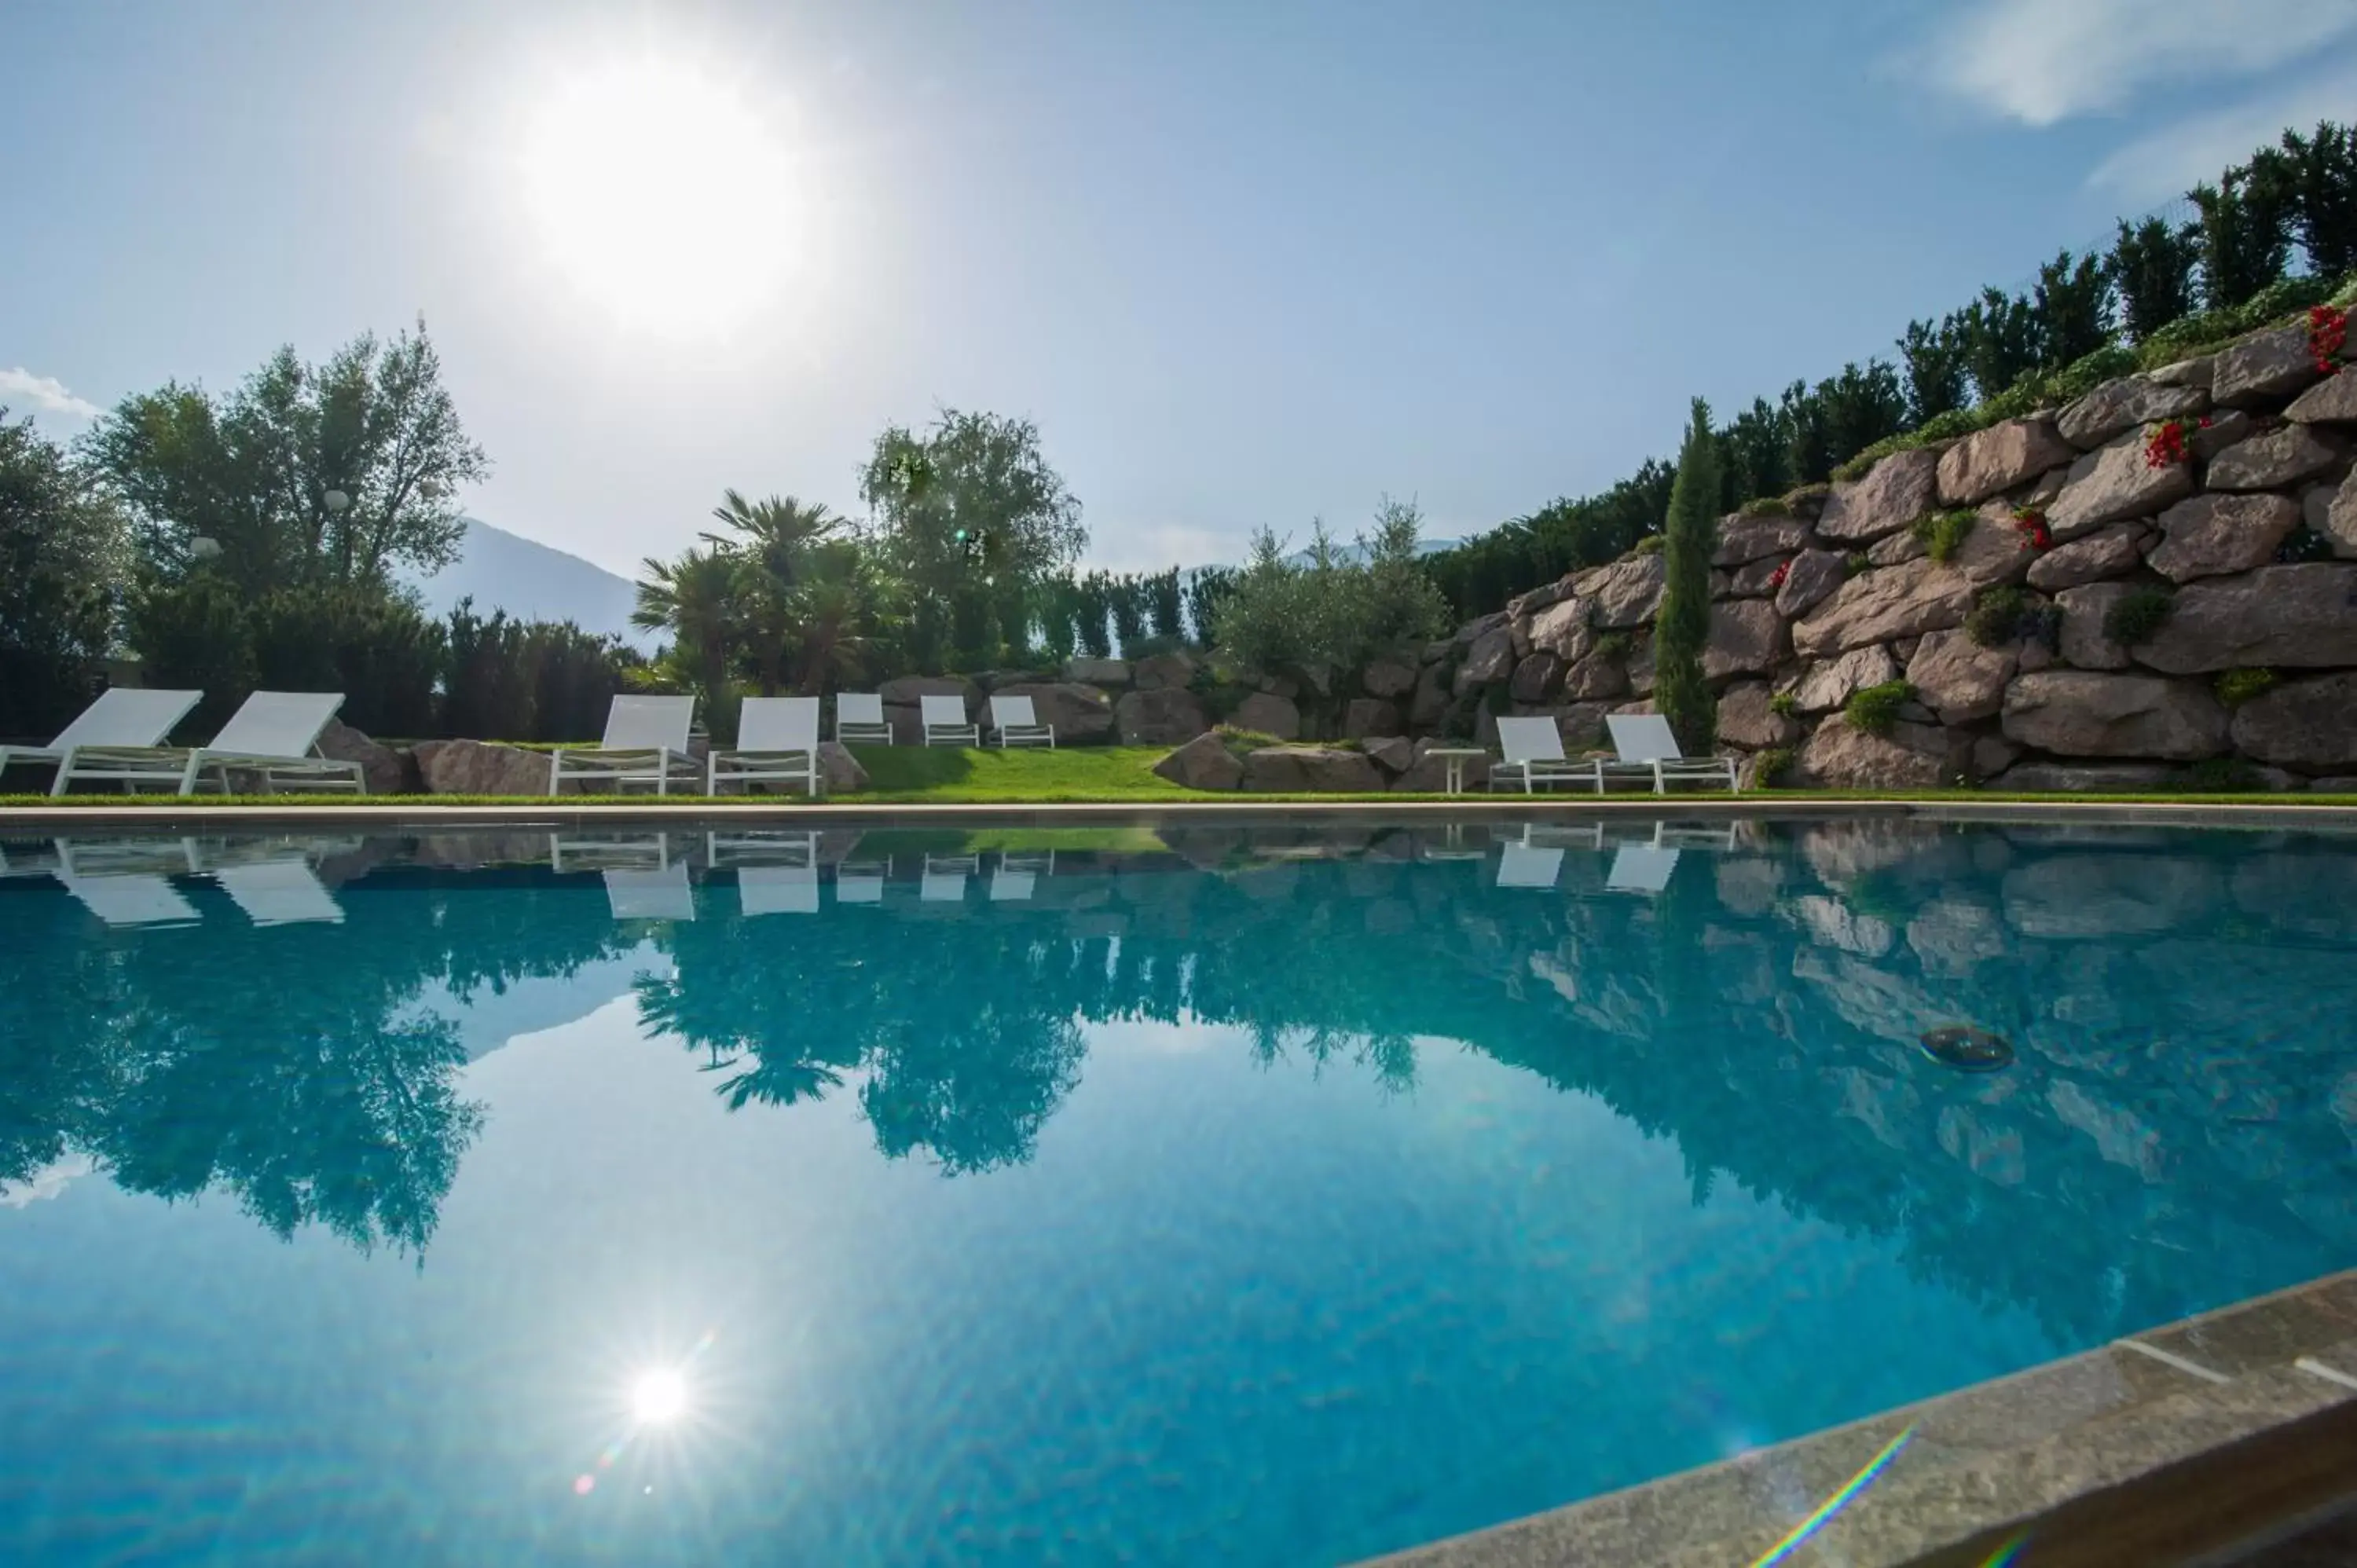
(2153, 263)
(2000, 336)
(2318, 177)
(252, 470)
(967, 501)
(2074, 303)
(1756, 452)
(1398, 605)
(376, 648)
(2245, 241)
(63, 554)
(1683, 626)
(1207, 589)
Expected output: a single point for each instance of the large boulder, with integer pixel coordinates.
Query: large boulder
(2211, 535)
(1562, 628)
(1814, 576)
(1492, 658)
(2333, 401)
(1265, 712)
(1747, 637)
(1203, 763)
(2275, 460)
(1757, 579)
(2265, 367)
(1840, 755)
(383, 769)
(1392, 753)
(1990, 461)
(2113, 482)
(1745, 539)
(480, 767)
(1523, 606)
(2128, 404)
(2080, 712)
(1076, 714)
(2302, 617)
(1625, 594)
(2109, 552)
(1085, 671)
(1745, 718)
(1474, 630)
(1878, 606)
(1388, 677)
(1894, 493)
(1430, 703)
(1599, 675)
(1958, 679)
(1995, 550)
(1168, 672)
(1827, 685)
(839, 772)
(2302, 724)
(1311, 770)
(2080, 637)
(1534, 680)
(1364, 716)
(1161, 715)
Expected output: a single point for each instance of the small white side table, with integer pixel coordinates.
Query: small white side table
(1454, 761)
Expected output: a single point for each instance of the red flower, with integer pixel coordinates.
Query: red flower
(2328, 330)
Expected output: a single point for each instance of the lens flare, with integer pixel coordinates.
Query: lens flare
(659, 1397)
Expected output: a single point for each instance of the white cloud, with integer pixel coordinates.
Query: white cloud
(46, 393)
(46, 1183)
(2040, 61)
(2170, 161)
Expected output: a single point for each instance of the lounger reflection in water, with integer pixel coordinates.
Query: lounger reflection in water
(1018, 874)
(280, 892)
(1535, 859)
(124, 883)
(946, 877)
(644, 882)
(777, 874)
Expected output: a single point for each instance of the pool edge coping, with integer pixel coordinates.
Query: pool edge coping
(2273, 1451)
(418, 811)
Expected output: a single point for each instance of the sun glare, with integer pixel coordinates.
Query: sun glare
(659, 1397)
(662, 193)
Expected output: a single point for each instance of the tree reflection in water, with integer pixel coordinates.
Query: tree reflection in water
(2185, 1082)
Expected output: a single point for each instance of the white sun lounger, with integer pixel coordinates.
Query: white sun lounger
(777, 742)
(124, 717)
(946, 721)
(859, 719)
(1531, 753)
(272, 733)
(1016, 723)
(645, 743)
(1648, 749)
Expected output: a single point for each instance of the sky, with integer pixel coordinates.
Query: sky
(1243, 263)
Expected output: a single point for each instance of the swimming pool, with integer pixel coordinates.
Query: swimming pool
(1180, 1193)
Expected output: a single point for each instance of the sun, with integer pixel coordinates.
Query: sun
(659, 1397)
(662, 193)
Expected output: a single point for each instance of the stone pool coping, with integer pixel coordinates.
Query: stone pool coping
(2199, 1442)
(409, 812)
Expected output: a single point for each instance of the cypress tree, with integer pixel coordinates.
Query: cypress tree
(1684, 625)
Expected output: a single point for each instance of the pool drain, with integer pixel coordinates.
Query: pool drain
(1967, 1050)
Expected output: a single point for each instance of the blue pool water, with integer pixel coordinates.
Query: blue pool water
(1257, 1195)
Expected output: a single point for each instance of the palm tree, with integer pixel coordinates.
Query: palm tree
(700, 600)
(775, 541)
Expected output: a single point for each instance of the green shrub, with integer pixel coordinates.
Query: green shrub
(1995, 616)
(1943, 533)
(1784, 705)
(1612, 645)
(1651, 545)
(1765, 506)
(2236, 687)
(2303, 544)
(1243, 740)
(2222, 776)
(2137, 614)
(1854, 563)
(2208, 330)
(1876, 709)
(1772, 765)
